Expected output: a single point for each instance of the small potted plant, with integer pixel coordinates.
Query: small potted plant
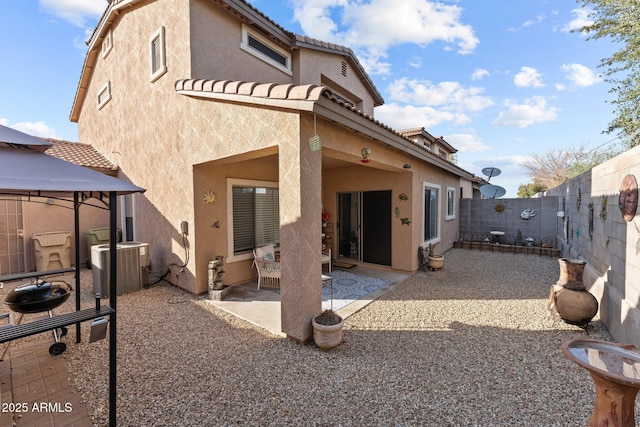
(436, 261)
(327, 327)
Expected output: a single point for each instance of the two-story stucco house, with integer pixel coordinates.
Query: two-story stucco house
(217, 111)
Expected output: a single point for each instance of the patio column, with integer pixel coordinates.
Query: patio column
(300, 237)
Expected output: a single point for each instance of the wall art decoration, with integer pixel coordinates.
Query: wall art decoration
(603, 212)
(527, 214)
(628, 198)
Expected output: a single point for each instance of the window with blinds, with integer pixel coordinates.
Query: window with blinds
(256, 217)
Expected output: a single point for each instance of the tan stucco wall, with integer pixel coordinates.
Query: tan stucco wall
(159, 153)
(215, 47)
(213, 240)
(314, 66)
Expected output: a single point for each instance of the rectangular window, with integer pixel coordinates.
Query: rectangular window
(104, 95)
(256, 216)
(431, 212)
(107, 44)
(262, 48)
(451, 203)
(158, 58)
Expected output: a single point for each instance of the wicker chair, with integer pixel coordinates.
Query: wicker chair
(267, 266)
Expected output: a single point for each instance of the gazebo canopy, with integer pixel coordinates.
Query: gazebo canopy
(26, 170)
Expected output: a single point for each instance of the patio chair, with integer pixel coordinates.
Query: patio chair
(326, 258)
(268, 268)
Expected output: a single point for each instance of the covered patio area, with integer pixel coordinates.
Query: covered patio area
(262, 307)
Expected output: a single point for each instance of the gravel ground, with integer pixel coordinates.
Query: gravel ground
(470, 345)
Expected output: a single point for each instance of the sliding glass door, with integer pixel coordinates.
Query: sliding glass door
(364, 226)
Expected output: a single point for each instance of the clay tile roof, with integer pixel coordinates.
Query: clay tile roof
(79, 154)
(253, 89)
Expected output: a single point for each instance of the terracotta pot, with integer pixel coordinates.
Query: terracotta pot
(571, 271)
(574, 307)
(436, 262)
(569, 299)
(327, 337)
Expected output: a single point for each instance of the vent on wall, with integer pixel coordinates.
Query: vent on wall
(344, 68)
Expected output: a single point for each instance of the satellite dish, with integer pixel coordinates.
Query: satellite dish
(491, 171)
(492, 191)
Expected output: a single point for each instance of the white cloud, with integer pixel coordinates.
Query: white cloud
(32, 128)
(415, 62)
(580, 75)
(479, 74)
(528, 77)
(531, 111)
(75, 11)
(451, 96)
(360, 25)
(541, 17)
(467, 142)
(408, 116)
(581, 19)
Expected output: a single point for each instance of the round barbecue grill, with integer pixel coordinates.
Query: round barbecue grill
(40, 297)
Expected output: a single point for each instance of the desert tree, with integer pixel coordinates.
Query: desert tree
(619, 20)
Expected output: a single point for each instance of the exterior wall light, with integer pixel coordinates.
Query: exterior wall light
(366, 152)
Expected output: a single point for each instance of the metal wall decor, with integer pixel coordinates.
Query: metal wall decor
(603, 212)
(628, 198)
(209, 197)
(590, 221)
(527, 214)
(579, 199)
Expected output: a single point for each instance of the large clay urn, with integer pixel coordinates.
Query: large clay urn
(569, 299)
(571, 271)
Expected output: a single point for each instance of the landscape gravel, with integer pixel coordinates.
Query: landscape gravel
(472, 344)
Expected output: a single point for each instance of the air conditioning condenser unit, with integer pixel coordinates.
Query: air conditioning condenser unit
(132, 267)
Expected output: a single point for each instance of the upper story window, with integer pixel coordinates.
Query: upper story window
(104, 95)
(262, 48)
(158, 58)
(107, 44)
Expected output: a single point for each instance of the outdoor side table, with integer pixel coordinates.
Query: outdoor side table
(615, 369)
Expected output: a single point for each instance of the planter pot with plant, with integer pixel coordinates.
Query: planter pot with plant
(436, 261)
(327, 327)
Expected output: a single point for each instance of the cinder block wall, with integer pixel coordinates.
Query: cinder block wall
(593, 229)
(481, 216)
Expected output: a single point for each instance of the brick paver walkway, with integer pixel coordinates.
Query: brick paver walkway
(36, 389)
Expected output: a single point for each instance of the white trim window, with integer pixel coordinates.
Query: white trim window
(254, 213)
(451, 203)
(431, 203)
(263, 49)
(158, 56)
(107, 44)
(104, 95)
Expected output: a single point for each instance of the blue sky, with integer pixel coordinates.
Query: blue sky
(500, 80)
